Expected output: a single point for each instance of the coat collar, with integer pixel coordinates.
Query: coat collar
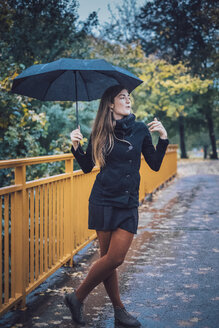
(124, 125)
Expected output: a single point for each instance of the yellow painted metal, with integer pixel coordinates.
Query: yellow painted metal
(13, 272)
(26, 256)
(31, 236)
(6, 248)
(45, 249)
(53, 222)
(36, 226)
(61, 221)
(1, 253)
(19, 237)
(41, 228)
(49, 220)
(34, 160)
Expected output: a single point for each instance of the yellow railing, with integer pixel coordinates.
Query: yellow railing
(44, 221)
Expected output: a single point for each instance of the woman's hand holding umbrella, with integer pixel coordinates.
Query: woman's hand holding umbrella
(158, 126)
(76, 136)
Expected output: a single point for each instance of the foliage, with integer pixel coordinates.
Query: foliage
(21, 129)
(34, 32)
(168, 88)
(61, 121)
(180, 30)
(20, 125)
(41, 30)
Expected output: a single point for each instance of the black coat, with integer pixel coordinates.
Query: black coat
(117, 183)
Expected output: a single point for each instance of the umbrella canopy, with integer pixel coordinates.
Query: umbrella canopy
(72, 79)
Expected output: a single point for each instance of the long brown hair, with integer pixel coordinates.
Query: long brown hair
(103, 127)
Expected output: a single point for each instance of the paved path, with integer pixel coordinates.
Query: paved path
(170, 277)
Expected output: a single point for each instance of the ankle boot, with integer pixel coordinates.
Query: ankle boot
(76, 308)
(124, 318)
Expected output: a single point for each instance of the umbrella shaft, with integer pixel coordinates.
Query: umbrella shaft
(77, 123)
(76, 96)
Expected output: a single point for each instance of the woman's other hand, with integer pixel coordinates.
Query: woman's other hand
(157, 126)
(76, 136)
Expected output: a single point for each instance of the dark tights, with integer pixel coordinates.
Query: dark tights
(114, 246)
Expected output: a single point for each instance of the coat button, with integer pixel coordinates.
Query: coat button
(126, 191)
(128, 176)
(130, 161)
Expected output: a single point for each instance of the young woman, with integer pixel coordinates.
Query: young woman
(116, 143)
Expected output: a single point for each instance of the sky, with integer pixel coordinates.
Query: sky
(87, 6)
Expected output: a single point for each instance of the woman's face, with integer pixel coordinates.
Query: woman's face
(122, 105)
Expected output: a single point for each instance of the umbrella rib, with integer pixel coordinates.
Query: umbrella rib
(52, 83)
(85, 85)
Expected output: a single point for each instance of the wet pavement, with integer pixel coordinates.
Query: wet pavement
(170, 277)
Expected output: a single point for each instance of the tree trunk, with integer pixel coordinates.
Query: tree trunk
(205, 151)
(182, 137)
(211, 134)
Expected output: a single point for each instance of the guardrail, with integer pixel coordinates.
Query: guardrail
(44, 221)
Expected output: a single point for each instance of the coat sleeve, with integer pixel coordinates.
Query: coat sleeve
(84, 159)
(153, 157)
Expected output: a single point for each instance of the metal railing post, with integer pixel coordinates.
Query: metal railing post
(20, 240)
(69, 210)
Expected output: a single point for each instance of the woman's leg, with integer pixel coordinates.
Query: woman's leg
(119, 244)
(110, 283)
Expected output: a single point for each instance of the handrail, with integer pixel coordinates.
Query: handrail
(33, 160)
(51, 158)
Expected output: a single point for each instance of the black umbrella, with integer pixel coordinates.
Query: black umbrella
(72, 79)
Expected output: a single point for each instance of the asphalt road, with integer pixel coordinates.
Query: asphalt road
(170, 277)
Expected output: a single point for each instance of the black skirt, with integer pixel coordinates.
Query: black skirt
(107, 218)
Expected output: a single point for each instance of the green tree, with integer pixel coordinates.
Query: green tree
(177, 31)
(185, 31)
(41, 31)
(180, 30)
(168, 88)
(20, 131)
(32, 32)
